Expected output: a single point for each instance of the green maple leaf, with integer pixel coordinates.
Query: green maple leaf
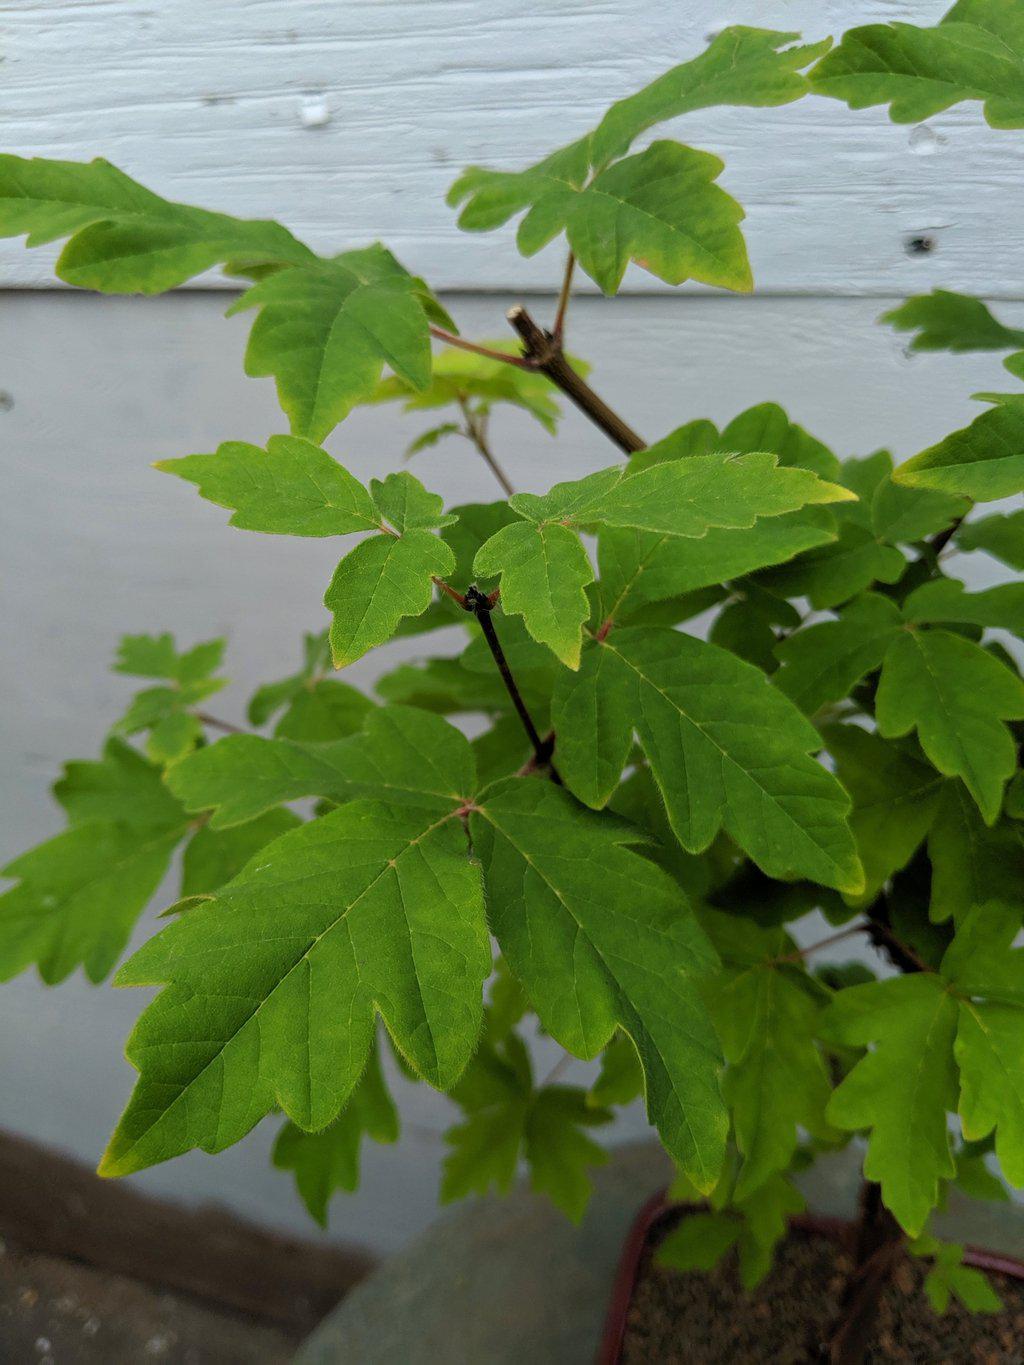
(295, 488)
(987, 974)
(983, 461)
(328, 1161)
(621, 1077)
(292, 488)
(213, 856)
(326, 330)
(895, 799)
(407, 505)
(660, 208)
(902, 1090)
(508, 1118)
(315, 708)
(640, 567)
(945, 321)
(727, 750)
(901, 515)
(949, 1277)
(957, 697)
(766, 1014)
(271, 988)
(81, 892)
(823, 662)
(629, 957)
(165, 710)
(123, 237)
(754, 1225)
(745, 66)
(382, 580)
(123, 787)
(1000, 535)
(156, 656)
(403, 755)
(972, 863)
(976, 52)
(946, 599)
(837, 572)
(545, 570)
(765, 426)
(448, 687)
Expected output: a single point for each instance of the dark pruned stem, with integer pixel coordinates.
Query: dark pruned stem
(545, 354)
(878, 1239)
(480, 605)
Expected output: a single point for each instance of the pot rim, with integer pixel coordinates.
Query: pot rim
(824, 1225)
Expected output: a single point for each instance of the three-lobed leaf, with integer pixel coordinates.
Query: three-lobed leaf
(602, 939)
(976, 52)
(728, 751)
(272, 987)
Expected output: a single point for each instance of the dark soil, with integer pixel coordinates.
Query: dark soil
(58, 1312)
(677, 1318)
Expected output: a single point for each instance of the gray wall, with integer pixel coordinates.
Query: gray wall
(93, 543)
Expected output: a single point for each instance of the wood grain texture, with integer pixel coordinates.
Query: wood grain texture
(56, 1206)
(349, 120)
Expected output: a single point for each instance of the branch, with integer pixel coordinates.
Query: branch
(476, 433)
(543, 352)
(206, 719)
(480, 605)
(879, 929)
(801, 953)
(558, 330)
(451, 592)
(938, 543)
(488, 352)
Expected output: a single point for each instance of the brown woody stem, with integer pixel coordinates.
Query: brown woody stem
(216, 724)
(460, 344)
(544, 352)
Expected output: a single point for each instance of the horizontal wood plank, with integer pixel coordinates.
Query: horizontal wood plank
(348, 121)
(56, 1206)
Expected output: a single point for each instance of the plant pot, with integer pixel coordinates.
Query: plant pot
(999, 1337)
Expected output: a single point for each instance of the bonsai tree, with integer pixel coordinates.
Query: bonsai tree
(627, 852)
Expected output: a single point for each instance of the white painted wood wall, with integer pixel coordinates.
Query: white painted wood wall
(212, 101)
(348, 119)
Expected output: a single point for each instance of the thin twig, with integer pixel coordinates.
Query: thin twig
(557, 1070)
(451, 592)
(476, 432)
(545, 354)
(823, 943)
(479, 604)
(558, 330)
(880, 932)
(217, 724)
(450, 339)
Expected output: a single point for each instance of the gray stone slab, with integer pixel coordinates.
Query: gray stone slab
(509, 1280)
(496, 1281)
